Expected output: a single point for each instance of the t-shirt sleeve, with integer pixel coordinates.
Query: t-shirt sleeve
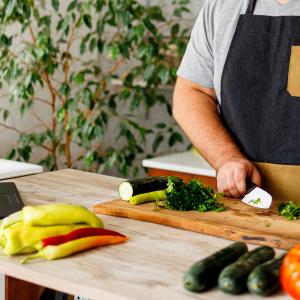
(197, 64)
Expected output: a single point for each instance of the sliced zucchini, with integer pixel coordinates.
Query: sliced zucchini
(130, 188)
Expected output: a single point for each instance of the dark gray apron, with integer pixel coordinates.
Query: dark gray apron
(260, 96)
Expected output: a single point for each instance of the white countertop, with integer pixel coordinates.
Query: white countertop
(11, 169)
(186, 162)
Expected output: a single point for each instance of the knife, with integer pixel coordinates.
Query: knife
(256, 196)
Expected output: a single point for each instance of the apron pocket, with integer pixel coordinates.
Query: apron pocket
(294, 72)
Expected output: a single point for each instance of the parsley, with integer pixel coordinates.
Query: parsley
(191, 196)
(256, 201)
(289, 210)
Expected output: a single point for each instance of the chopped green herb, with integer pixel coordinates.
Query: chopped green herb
(289, 210)
(256, 201)
(191, 196)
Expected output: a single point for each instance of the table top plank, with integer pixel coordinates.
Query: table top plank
(149, 266)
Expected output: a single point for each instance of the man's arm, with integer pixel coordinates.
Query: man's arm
(195, 110)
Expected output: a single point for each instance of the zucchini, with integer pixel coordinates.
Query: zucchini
(265, 278)
(148, 197)
(130, 188)
(233, 279)
(204, 273)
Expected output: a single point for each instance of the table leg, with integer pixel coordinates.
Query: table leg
(16, 289)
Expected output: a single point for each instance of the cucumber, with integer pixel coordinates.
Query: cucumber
(204, 273)
(130, 188)
(265, 278)
(233, 279)
(148, 197)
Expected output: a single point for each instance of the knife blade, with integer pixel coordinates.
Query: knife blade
(256, 196)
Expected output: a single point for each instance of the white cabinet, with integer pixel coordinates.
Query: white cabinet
(11, 169)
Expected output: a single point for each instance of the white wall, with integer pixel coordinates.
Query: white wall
(196, 6)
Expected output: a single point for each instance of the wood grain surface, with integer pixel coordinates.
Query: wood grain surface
(150, 266)
(240, 222)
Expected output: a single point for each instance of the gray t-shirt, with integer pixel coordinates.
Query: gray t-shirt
(212, 34)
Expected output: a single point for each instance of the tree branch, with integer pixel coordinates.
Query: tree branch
(47, 148)
(66, 69)
(42, 100)
(102, 84)
(53, 94)
(40, 120)
(11, 128)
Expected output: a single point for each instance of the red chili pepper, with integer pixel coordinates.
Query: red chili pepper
(59, 251)
(78, 234)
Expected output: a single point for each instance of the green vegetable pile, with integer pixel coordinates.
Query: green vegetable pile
(191, 196)
(289, 210)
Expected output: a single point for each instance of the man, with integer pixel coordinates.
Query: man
(237, 96)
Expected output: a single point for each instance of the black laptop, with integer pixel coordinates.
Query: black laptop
(10, 199)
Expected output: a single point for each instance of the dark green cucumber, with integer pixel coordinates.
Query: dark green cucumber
(130, 188)
(204, 273)
(264, 280)
(233, 279)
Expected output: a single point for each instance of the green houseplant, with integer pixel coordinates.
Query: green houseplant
(93, 65)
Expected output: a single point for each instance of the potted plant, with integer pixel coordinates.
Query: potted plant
(94, 69)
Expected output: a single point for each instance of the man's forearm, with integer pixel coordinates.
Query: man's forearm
(197, 114)
(195, 109)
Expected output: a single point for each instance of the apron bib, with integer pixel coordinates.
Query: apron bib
(260, 98)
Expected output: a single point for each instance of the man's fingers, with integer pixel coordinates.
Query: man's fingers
(240, 176)
(231, 184)
(255, 177)
(226, 183)
(231, 177)
(222, 185)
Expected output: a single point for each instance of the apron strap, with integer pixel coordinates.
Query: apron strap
(251, 7)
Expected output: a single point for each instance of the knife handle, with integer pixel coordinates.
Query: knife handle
(250, 186)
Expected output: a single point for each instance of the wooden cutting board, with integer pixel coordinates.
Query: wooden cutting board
(239, 223)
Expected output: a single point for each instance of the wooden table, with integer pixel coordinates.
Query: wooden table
(149, 266)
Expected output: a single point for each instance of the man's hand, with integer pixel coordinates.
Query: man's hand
(232, 175)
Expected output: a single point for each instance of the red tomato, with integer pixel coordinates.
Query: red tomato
(290, 273)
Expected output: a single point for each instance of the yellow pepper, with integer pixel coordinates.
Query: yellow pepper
(59, 214)
(25, 239)
(11, 220)
(69, 248)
